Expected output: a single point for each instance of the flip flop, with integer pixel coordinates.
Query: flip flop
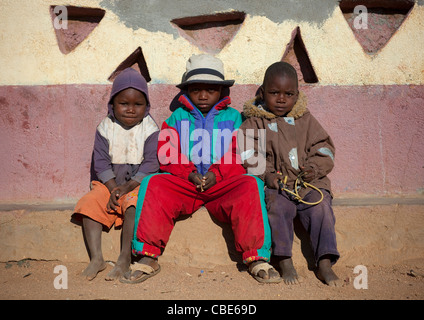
(147, 272)
(264, 266)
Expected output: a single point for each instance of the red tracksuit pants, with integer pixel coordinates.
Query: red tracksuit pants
(238, 200)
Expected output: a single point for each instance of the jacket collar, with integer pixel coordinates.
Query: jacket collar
(253, 108)
(186, 102)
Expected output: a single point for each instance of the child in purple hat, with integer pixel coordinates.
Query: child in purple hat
(125, 151)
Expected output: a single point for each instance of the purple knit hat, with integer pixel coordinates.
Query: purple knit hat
(129, 78)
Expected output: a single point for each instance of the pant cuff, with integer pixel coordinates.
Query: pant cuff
(254, 255)
(334, 256)
(143, 249)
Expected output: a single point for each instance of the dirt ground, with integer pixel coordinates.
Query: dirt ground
(34, 280)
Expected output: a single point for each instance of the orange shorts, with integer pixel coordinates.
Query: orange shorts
(93, 205)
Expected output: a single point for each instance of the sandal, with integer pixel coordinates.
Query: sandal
(264, 266)
(146, 273)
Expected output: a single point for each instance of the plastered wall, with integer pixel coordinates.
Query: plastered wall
(29, 53)
(50, 102)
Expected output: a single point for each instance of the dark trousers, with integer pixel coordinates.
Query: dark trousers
(318, 221)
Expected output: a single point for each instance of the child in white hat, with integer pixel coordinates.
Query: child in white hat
(197, 152)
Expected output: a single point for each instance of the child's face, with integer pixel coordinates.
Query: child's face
(129, 107)
(204, 96)
(280, 94)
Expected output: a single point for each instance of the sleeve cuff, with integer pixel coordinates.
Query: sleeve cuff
(105, 176)
(139, 176)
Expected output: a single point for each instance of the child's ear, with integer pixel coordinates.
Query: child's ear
(261, 92)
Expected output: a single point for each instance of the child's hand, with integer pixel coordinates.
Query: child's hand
(196, 179)
(271, 180)
(115, 194)
(209, 180)
(308, 173)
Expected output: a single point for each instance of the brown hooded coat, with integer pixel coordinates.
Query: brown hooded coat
(294, 141)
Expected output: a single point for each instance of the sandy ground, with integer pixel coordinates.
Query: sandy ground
(34, 280)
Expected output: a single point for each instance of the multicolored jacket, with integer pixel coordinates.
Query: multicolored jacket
(190, 142)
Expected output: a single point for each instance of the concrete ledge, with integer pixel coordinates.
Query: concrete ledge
(348, 201)
(381, 235)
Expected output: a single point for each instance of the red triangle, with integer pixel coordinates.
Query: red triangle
(136, 61)
(210, 33)
(80, 23)
(383, 20)
(297, 55)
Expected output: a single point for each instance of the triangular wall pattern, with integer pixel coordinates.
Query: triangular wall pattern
(297, 55)
(210, 33)
(383, 20)
(80, 23)
(136, 61)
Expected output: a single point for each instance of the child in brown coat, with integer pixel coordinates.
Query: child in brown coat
(297, 148)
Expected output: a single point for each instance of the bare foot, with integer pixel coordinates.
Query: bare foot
(327, 275)
(288, 271)
(118, 271)
(124, 260)
(95, 266)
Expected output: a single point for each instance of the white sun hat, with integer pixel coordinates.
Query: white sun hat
(204, 68)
